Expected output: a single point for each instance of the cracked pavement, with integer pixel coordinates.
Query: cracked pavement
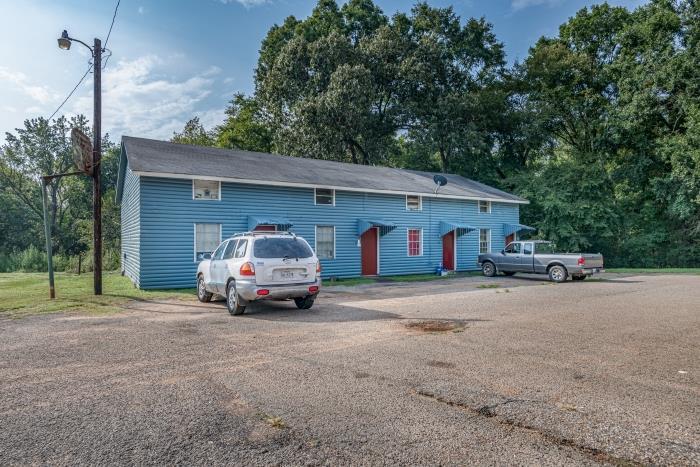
(599, 372)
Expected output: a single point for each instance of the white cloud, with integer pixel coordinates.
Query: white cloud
(522, 4)
(138, 100)
(246, 3)
(40, 94)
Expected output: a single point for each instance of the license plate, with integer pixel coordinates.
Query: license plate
(286, 274)
(596, 270)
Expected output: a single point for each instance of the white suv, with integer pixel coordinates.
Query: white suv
(260, 266)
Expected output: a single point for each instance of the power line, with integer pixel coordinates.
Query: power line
(71, 93)
(114, 16)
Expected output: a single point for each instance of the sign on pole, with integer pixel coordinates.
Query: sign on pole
(82, 151)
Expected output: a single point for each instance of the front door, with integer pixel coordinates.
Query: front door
(265, 228)
(448, 251)
(369, 252)
(510, 238)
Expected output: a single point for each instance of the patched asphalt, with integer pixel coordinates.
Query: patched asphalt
(449, 372)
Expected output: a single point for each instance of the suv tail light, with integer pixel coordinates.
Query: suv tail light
(582, 261)
(247, 269)
(318, 267)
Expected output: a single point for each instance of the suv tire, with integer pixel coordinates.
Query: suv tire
(202, 294)
(304, 303)
(233, 300)
(557, 273)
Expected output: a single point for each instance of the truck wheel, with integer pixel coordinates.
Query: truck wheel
(508, 273)
(557, 273)
(578, 277)
(202, 293)
(304, 303)
(488, 269)
(233, 300)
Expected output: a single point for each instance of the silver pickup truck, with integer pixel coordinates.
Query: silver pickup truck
(540, 257)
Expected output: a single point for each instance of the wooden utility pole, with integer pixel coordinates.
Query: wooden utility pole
(96, 169)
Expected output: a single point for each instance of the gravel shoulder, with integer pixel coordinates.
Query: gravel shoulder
(599, 372)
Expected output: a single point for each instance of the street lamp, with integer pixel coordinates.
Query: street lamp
(64, 42)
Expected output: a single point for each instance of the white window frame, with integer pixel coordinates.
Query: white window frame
(194, 227)
(408, 243)
(205, 199)
(488, 250)
(316, 241)
(420, 203)
(332, 192)
(488, 205)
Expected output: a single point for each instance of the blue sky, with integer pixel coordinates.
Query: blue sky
(176, 59)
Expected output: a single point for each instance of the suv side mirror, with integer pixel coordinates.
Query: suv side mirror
(503, 252)
(206, 256)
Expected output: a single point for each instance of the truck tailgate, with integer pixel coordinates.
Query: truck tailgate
(593, 260)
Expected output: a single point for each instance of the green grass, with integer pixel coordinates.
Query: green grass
(654, 270)
(24, 294)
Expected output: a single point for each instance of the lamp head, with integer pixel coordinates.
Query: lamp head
(64, 41)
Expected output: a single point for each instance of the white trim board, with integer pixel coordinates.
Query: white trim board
(331, 187)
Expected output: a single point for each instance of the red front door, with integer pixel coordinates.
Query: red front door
(510, 239)
(448, 251)
(368, 247)
(265, 228)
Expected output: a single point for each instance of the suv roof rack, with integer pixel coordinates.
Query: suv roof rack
(263, 232)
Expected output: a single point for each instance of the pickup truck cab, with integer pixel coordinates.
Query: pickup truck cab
(260, 266)
(540, 257)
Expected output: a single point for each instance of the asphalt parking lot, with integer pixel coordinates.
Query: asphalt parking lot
(471, 370)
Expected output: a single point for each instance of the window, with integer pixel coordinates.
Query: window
(513, 248)
(241, 248)
(206, 238)
(527, 248)
(324, 196)
(325, 241)
(414, 203)
(206, 189)
(485, 207)
(415, 243)
(228, 254)
(277, 247)
(219, 253)
(484, 240)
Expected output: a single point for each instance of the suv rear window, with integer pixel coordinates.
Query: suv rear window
(281, 247)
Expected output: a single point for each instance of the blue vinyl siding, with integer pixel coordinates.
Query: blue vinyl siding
(131, 226)
(168, 214)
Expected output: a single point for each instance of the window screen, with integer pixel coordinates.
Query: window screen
(325, 196)
(484, 240)
(485, 206)
(206, 238)
(205, 189)
(325, 241)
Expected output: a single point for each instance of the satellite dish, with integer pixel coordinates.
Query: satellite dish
(439, 180)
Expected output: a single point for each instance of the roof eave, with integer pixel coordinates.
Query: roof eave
(333, 187)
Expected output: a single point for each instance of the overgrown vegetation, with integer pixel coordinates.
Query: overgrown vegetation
(599, 127)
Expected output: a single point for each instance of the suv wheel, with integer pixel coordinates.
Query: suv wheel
(233, 300)
(304, 303)
(488, 269)
(202, 293)
(557, 273)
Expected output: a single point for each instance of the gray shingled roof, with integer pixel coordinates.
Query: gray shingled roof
(160, 157)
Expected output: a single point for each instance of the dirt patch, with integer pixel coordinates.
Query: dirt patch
(435, 325)
(439, 364)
